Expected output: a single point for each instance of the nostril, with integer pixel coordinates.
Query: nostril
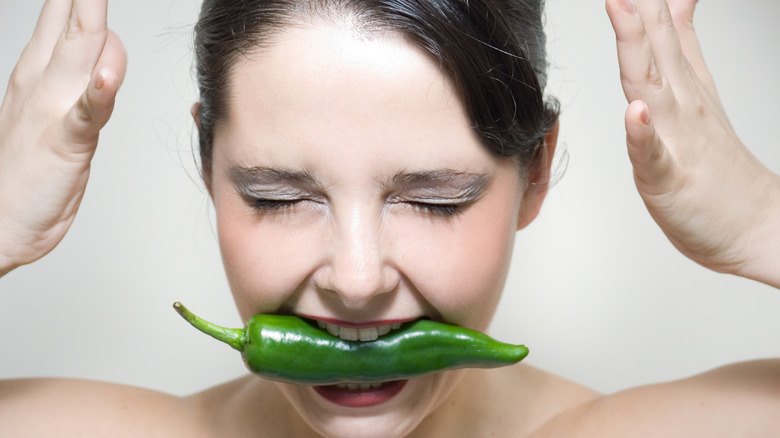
(356, 266)
(355, 288)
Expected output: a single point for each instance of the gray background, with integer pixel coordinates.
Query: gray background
(596, 290)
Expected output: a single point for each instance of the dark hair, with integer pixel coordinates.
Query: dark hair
(493, 50)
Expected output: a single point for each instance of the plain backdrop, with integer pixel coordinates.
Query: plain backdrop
(595, 291)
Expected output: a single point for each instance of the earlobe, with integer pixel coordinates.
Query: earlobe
(538, 180)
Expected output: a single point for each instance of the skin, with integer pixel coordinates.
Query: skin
(60, 95)
(355, 246)
(677, 170)
(356, 231)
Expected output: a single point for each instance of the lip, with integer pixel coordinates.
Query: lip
(360, 398)
(357, 325)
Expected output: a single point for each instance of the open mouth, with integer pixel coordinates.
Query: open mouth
(360, 395)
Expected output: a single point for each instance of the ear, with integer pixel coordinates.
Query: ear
(204, 173)
(538, 180)
(195, 111)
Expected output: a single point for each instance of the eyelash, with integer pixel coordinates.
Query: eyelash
(262, 204)
(448, 210)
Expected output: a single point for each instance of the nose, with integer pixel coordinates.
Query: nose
(358, 267)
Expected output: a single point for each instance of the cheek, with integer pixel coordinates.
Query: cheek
(460, 269)
(265, 262)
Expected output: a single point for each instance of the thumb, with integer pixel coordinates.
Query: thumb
(652, 161)
(93, 109)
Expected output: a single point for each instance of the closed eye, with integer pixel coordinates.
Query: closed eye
(438, 209)
(438, 193)
(269, 205)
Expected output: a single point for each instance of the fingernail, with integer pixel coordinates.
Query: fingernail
(628, 5)
(644, 116)
(99, 80)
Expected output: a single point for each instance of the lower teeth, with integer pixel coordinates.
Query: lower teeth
(358, 386)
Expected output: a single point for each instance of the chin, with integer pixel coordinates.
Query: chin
(366, 427)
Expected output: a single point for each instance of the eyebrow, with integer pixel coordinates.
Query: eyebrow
(247, 179)
(434, 184)
(445, 183)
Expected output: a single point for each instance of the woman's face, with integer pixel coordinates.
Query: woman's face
(349, 188)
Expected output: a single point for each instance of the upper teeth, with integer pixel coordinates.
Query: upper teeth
(358, 334)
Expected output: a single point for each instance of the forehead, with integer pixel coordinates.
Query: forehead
(322, 90)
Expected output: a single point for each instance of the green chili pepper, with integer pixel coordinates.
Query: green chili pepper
(291, 349)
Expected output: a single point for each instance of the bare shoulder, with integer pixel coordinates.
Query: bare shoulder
(553, 394)
(78, 408)
(248, 407)
(737, 400)
(528, 398)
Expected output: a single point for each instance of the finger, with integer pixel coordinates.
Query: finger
(51, 22)
(114, 56)
(661, 32)
(79, 47)
(682, 15)
(640, 76)
(96, 104)
(91, 112)
(653, 164)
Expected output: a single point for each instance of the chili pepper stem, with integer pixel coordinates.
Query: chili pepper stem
(233, 337)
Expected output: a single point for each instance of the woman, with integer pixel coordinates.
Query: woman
(311, 222)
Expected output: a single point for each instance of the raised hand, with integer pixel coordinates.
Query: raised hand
(714, 200)
(60, 95)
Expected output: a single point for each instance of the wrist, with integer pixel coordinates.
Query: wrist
(7, 262)
(6, 265)
(762, 255)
